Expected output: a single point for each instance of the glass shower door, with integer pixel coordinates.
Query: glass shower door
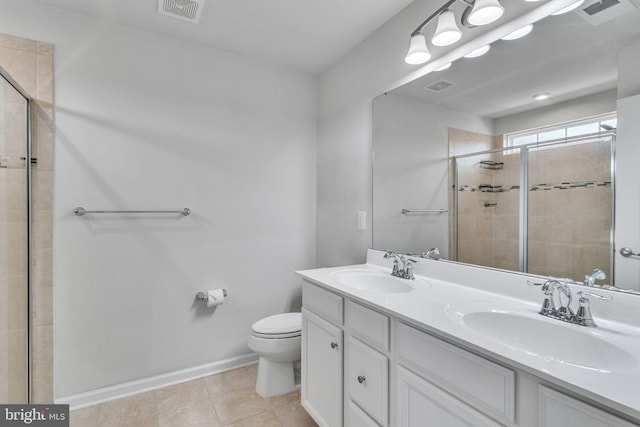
(570, 209)
(488, 209)
(14, 252)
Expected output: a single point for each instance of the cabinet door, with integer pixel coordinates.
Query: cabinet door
(560, 410)
(421, 404)
(321, 370)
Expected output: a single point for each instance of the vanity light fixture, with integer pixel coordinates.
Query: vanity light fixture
(569, 8)
(478, 52)
(447, 32)
(444, 67)
(519, 33)
(484, 12)
(541, 96)
(418, 51)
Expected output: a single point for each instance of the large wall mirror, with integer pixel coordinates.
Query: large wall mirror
(472, 161)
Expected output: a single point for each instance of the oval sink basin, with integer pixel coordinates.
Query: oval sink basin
(367, 280)
(550, 340)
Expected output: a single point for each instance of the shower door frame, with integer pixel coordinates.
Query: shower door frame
(28, 169)
(523, 236)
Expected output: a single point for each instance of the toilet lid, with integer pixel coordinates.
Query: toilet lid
(280, 325)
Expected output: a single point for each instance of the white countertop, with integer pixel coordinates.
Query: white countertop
(438, 306)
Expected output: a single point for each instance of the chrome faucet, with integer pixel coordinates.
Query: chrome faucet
(433, 253)
(564, 312)
(596, 274)
(401, 265)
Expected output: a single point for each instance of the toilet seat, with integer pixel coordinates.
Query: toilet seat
(286, 325)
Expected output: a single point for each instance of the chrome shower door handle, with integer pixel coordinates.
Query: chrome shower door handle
(628, 252)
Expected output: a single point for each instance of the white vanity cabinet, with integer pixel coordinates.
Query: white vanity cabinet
(357, 346)
(364, 367)
(322, 354)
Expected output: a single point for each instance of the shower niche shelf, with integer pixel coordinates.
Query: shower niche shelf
(490, 164)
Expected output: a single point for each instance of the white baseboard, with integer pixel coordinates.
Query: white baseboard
(129, 388)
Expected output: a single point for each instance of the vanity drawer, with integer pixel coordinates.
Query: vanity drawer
(485, 385)
(324, 303)
(367, 379)
(368, 325)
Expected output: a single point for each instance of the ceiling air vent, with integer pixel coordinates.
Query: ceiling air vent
(187, 10)
(602, 11)
(439, 86)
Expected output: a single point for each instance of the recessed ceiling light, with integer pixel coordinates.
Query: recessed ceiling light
(478, 52)
(521, 32)
(444, 67)
(541, 96)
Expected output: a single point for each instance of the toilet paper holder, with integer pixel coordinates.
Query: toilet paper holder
(202, 296)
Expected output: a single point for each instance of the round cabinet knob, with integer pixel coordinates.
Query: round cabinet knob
(334, 345)
(361, 379)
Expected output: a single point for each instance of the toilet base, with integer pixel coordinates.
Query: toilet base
(275, 378)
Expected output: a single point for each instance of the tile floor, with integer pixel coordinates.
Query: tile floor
(226, 399)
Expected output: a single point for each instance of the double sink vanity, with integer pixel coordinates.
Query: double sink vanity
(459, 345)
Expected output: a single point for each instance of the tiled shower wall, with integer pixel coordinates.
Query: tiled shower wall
(569, 229)
(30, 63)
(570, 226)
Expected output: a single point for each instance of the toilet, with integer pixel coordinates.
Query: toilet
(276, 339)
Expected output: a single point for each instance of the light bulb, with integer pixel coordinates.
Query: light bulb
(447, 31)
(478, 52)
(485, 12)
(521, 32)
(418, 52)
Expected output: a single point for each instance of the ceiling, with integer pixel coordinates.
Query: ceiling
(308, 35)
(564, 55)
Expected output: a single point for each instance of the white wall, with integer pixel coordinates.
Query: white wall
(411, 159)
(345, 93)
(147, 122)
(628, 65)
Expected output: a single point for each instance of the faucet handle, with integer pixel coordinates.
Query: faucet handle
(583, 316)
(548, 306)
(530, 283)
(546, 286)
(591, 294)
(408, 269)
